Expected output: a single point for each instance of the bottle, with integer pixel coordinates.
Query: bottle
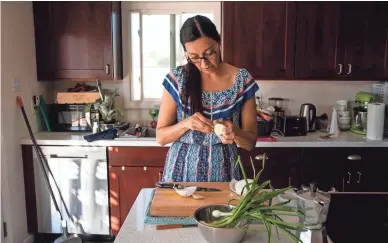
(95, 127)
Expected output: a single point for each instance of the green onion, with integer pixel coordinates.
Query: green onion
(252, 207)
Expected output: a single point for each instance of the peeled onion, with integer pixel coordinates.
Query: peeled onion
(218, 129)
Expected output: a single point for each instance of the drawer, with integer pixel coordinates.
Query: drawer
(137, 156)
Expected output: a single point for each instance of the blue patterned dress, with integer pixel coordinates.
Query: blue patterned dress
(190, 158)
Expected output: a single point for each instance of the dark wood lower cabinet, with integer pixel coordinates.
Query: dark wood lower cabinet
(346, 169)
(358, 218)
(282, 167)
(125, 185)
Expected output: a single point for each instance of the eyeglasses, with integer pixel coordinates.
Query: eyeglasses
(206, 57)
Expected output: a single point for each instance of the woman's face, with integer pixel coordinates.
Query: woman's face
(204, 53)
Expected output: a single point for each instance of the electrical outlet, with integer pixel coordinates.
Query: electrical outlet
(15, 85)
(35, 100)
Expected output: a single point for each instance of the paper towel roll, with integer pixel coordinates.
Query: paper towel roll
(375, 121)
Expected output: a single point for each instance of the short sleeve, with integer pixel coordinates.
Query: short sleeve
(250, 87)
(170, 83)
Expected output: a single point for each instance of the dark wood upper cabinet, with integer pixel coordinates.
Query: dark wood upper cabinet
(316, 53)
(341, 40)
(78, 40)
(365, 36)
(260, 36)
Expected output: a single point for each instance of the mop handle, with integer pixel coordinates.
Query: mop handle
(20, 104)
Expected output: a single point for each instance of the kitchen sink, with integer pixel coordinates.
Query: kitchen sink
(147, 132)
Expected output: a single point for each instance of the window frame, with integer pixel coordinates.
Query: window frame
(156, 8)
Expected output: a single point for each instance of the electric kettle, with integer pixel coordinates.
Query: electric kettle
(309, 111)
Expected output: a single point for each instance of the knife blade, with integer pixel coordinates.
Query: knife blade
(180, 186)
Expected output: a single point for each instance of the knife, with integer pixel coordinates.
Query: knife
(180, 186)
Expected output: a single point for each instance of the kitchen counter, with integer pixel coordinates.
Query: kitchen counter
(134, 229)
(345, 139)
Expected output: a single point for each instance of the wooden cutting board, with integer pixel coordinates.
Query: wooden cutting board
(168, 203)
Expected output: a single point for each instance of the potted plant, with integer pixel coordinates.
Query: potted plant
(105, 106)
(253, 206)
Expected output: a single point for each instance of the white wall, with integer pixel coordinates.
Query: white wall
(17, 62)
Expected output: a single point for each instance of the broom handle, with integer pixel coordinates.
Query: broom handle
(20, 103)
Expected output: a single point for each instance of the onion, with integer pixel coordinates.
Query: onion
(218, 129)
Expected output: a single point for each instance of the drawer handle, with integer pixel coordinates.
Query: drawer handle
(350, 175)
(350, 69)
(354, 157)
(122, 167)
(359, 177)
(340, 68)
(145, 168)
(261, 157)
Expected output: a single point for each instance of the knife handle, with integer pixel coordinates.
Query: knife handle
(166, 185)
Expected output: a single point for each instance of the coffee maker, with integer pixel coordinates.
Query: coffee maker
(277, 104)
(360, 112)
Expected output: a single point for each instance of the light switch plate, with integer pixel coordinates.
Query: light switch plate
(15, 85)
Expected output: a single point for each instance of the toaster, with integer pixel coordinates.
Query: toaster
(293, 126)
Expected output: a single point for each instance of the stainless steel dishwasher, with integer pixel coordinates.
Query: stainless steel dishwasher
(82, 176)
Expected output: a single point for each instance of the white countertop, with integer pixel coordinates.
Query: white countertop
(134, 230)
(345, 139)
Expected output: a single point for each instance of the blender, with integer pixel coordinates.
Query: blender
(314, 204)
(277, 104)
(360, 112)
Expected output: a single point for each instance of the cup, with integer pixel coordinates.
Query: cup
(342, 105)
(344, 114)
(344, 123)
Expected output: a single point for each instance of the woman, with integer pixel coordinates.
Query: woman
(193, 92)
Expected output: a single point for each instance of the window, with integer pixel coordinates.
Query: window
(154, 42)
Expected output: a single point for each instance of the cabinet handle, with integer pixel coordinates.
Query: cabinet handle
(107, 69)
(359, 177)
(160, 176)
(350, 175)
(261, 157)
(354, 157)
(340, 68)
(122, 167)
(145, 168)
(350, 68)
(289, 181)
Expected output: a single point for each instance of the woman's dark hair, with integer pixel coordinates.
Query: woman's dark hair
(193, 29)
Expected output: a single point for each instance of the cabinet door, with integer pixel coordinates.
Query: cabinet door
(323, 166)
(316, 55)
(260, 36)
(282, 165)
(377, 169)
(125, 185)
(74, 40)
(365, 34)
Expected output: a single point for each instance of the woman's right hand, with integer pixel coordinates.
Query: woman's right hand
(199, 123)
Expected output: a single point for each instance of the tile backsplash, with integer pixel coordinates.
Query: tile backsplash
(322, 94)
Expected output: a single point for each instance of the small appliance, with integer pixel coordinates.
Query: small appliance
(360, 112)
(277, 104)
(314, 204)
(292, 126)
(310, 112)
(68, 118)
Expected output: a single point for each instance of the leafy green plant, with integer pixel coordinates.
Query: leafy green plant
(105, 105)
(257, 205)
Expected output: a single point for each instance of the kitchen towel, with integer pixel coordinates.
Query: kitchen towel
(375, 121)
(107, 134)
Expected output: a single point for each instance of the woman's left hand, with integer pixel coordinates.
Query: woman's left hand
(227, 136)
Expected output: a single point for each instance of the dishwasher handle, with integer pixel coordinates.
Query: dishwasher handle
(55, 156)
